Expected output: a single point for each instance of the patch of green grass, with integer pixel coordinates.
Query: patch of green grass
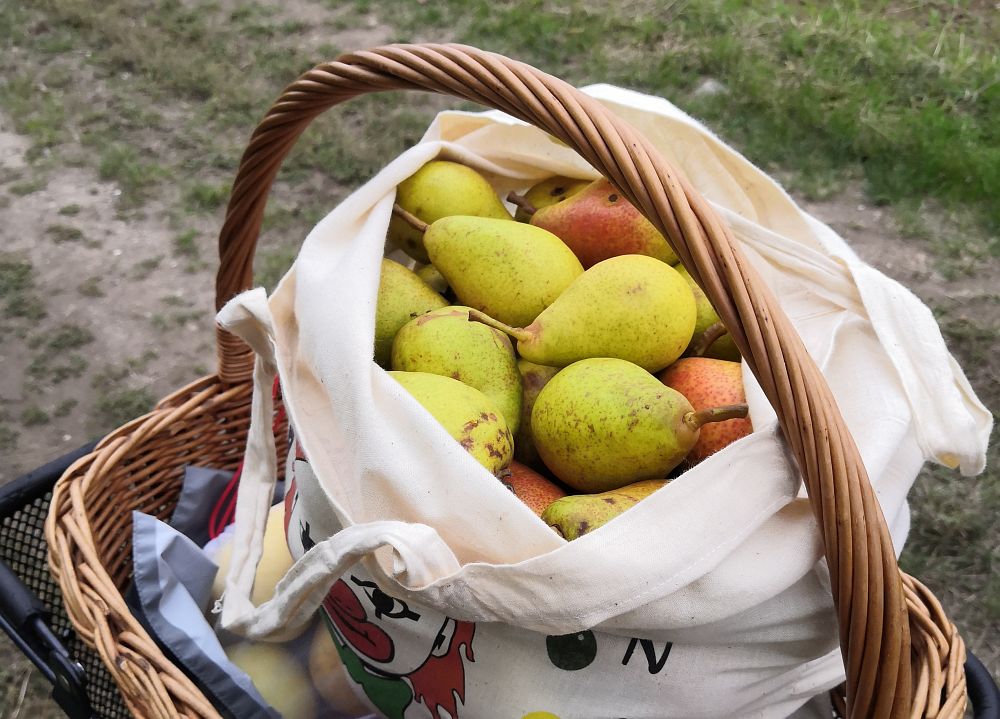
(134, 175)
(145, 268)
(17, 280)
(27, 187)
(120, 405)
(186, 245)
(8, 437)
(37, 114)
(33, 415)
(57, 368)
(63, 338)
(70, 210)
(16, 274)
(202, 197)
(64, 408)
(908, 93)
(91, 287)
(64, 233)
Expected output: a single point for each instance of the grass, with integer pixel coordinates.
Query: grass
(64, 233)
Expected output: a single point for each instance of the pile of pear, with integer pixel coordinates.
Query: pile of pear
(563, 347)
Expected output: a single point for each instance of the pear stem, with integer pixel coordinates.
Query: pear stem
(522, 202)
(695, 420)
(518, 333)
(412, 220)
(700, 345)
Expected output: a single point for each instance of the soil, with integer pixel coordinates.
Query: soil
(152, 322)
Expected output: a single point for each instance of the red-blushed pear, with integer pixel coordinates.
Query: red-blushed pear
(707, 382)
(598, 222)
(532, 488)
(545, 193)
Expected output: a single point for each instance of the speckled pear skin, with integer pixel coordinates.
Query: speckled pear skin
(549, 192)
(466, 414)
(603, 423)
(580, 514)
(722, 348)
(401, 297)
(444, 342)
(531, 487)
(509, 270)
(598, 222)
(707, 383)
(533, 378)
(630, 307)
(440, 189)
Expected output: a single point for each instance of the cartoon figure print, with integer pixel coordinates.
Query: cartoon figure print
(420, 676)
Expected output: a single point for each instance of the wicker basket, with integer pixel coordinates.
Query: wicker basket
(904, 658)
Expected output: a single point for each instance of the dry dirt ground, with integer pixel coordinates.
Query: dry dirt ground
(119, 319)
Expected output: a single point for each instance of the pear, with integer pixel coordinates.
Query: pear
(532, 488)
(708, 383)
(433, 277)
(439, 189)
(444, 342)
(598, 222)
(723, 346)
(509, 270)
(545, 193)
(631, 307)
(401, 297)
(580, 514)
(466, 414)
(603, 423)
(533, 378)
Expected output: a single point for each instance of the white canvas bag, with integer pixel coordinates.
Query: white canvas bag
(448, 597)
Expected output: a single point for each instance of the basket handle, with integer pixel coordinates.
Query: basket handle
(867, 588)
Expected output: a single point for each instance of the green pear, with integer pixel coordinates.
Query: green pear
(598, 222)
(603, 423)
(580, 514)
(545, 193)
(508, 270)
(444, 342)
(466, 414)
(401, 297)
(721, 348)
(440, 189)
(631, 307)
(433, 277)
(533, 378)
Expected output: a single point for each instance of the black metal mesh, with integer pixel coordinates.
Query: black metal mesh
(23, 548)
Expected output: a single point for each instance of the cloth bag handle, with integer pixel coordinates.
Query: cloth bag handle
(876, 608)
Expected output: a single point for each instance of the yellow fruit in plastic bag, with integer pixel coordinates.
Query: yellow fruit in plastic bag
(278, 677)
(329, 677)
(274, 562)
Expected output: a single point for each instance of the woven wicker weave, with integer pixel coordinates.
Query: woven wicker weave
(903, 656)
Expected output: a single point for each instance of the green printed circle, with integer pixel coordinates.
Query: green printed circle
(572, 651)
